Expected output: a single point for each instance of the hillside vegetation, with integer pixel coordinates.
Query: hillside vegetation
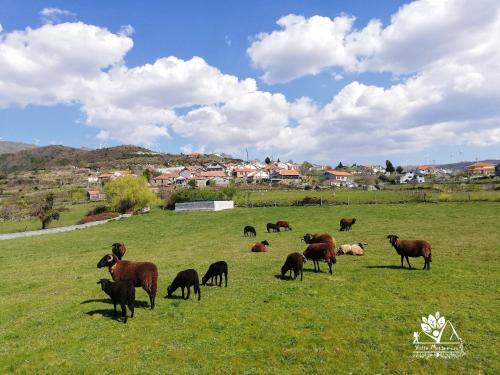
(120, 157)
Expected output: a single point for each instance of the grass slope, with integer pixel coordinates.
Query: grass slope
(55, 319)
(72, 216)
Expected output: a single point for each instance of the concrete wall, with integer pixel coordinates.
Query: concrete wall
(204, 206)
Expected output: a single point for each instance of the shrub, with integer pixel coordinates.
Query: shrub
(129, 193)
(308, 201)
(98, 217)
(97, 210)
(9, 212)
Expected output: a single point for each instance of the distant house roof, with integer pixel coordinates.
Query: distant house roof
(105, 175)
(271, 167)
(481, 165)
(288, 172)
(425, 168)
(166, 176)
(339, 173)
(93, 192)
(213, 174)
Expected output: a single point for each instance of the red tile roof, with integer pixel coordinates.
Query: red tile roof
(481, 165)
(288, 172)
(339, 173)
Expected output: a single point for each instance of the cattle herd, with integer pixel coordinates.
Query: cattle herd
(127, 275)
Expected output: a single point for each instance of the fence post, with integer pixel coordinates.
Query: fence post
(321, 201)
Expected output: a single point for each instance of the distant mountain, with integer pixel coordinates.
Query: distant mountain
(464, 164)
(120, 157)
(7, 147)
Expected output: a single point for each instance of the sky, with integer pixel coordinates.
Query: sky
(324, 81)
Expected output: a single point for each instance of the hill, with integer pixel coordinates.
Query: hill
(120, 157)
(464, 164)
(7, 147)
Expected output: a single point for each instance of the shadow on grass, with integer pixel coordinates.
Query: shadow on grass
(109, 313)
(137, 304)
(175, 297)
(287, 277)
(392, 267)
(313, 271)
(212, 284)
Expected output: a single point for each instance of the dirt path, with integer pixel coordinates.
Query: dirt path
(32, 233)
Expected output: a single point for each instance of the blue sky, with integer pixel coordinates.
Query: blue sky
(221, 33)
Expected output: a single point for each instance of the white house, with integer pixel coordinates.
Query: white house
(92, 180)
(338, 178)
(411, 177)
(215, 167)
(218, 177)
(257, 176)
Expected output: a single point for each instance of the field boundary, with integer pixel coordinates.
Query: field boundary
(33, 233)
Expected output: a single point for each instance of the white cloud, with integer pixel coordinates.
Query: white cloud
(147, 96)
(54, 15)
(126, 30)
(50, 64)
(302, 47)
(421, 34)
(445, 95)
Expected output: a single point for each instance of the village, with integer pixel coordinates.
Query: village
(288, 175)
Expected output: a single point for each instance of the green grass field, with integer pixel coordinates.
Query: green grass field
(350, 196)
(69, 217)
(55, 319)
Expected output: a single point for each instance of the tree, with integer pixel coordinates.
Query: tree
(147, 174)
(305, 167)
(44, 210)
(389, 167)
(278, 161)
(399, 169)
(267, 161)
(340, 166)
(129, 193)
(192, 184)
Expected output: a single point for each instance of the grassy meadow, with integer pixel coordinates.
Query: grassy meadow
(70, 216)
(55, 319)
(350, 196)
